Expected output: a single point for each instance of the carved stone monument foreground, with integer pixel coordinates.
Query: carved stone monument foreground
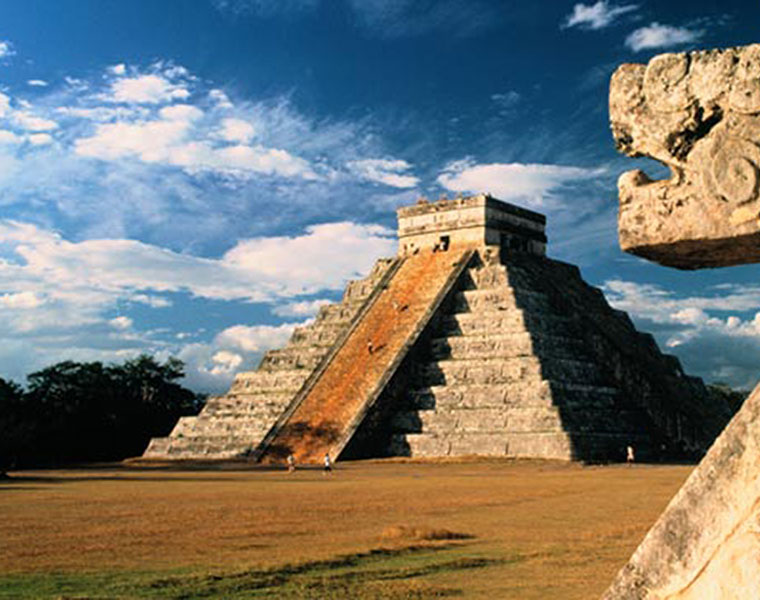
(470, 341)
(698, 113)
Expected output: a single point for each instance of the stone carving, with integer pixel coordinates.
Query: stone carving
(707, 542)
(696, 113)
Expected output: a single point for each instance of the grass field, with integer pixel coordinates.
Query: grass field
(384, 529)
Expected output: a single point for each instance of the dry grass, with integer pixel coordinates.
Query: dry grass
(491, 529)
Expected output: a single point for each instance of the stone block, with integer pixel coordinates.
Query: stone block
(696, 113)
(707, 542)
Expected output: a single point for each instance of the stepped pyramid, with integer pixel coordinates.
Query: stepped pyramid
(470, 341)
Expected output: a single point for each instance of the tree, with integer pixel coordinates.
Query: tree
(87, 411)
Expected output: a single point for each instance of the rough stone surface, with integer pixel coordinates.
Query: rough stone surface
(696, 113)
(230, 426)
(506, 353)
(707, 542)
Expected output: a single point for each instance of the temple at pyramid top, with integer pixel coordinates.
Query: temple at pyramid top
(472, 221)
(469, 342)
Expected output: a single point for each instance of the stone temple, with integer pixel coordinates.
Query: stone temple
(469, 342)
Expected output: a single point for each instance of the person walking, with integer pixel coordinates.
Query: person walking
(291, 463)
(328, 465)
(629, 457)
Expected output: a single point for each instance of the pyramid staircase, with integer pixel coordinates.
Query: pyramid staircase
(531, 361)
(471, 341)
(323, 418)
(230, 426)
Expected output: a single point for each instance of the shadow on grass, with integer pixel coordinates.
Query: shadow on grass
(384, 573)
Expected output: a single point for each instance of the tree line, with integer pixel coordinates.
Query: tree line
(78, 412)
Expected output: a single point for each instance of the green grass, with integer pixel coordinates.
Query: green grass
(382, 573)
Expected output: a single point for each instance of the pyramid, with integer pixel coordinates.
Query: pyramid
(469, 342)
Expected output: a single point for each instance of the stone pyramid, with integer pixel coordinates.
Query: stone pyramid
(469, 342)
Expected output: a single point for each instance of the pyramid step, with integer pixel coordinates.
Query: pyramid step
(519, 419)
(554, 445)
(508, 345)
(293, 357)
(280, 381)
(524, 393)
(480, 371)
(323, 334)
(499, 299)
(506, 321)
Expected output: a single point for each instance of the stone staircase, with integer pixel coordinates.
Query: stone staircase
(324, 419)
(509, 372)
(229, 426)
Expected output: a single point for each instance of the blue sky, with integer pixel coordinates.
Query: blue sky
(196, 178)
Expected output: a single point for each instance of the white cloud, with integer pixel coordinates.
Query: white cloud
(37, 83)
(120, 323)
(256, 338)
(28, 121)
(119, 69)
(6, 49)
(661, 36)
(534, 184)
(40, 139)
(220, 98)
(225, 363)
(150, 89)
(150, 141)
(237, 130)
(709, 340)
(22, 300)
(8, 137)
(385, 171)
(5, 104)
(304, 308)
(152, 301)
(82, 280)
(180, 112)
(596, 16)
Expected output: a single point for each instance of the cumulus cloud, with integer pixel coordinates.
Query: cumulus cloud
(256, 338)
(81, 280)
(21, 300)
(303, 308)
(150, 89)
(386, 171)
(661, 36)
(533, 184)
(716, 336)
(37, 83)
(40, 139)
(30, 122)
(596, 16)
(120, 322)
(237, 130)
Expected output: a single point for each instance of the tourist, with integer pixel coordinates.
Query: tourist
(629, 455)
(291, 463)
(328, 465)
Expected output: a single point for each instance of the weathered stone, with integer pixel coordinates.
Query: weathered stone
(697, 113)
(707, 542)
(480, 345)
